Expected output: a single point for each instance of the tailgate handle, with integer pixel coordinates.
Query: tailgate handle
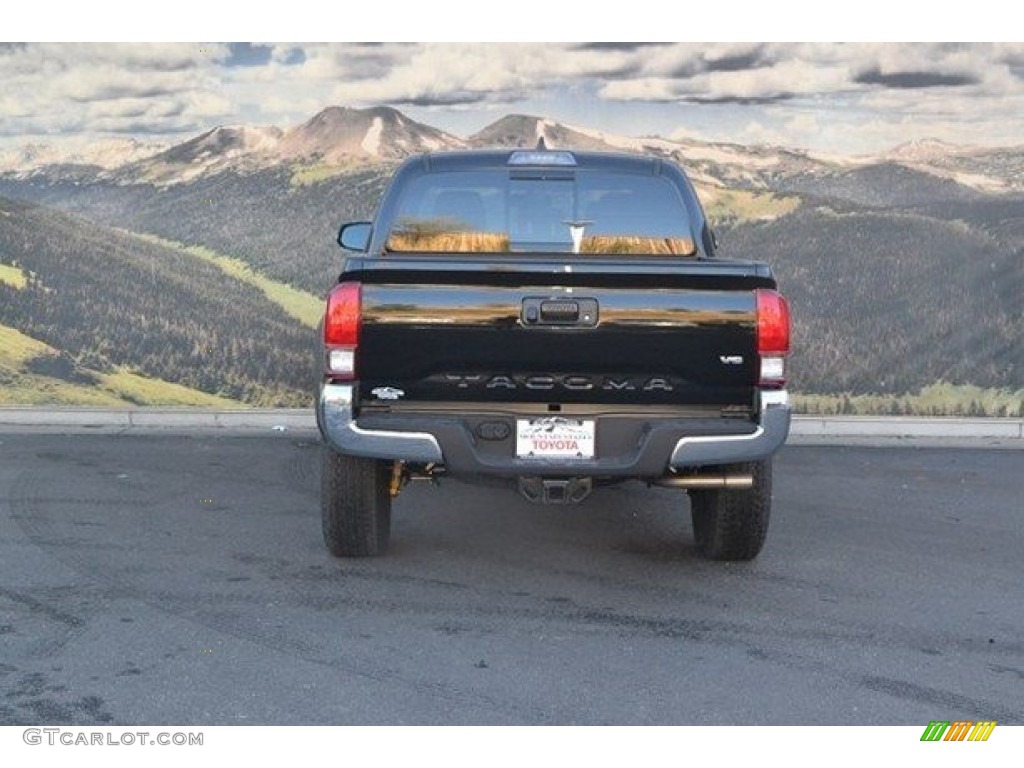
(559, 311)
(577, 312)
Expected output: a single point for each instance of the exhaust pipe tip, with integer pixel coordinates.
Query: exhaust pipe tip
(706, 482)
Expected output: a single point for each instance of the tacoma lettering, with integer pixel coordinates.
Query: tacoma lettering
(573, 383)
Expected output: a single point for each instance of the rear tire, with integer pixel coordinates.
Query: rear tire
(356, 505)
(730, 524)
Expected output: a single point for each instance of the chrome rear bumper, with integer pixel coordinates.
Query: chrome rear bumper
(650, 458)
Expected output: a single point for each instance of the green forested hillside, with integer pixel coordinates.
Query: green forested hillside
(890, 302)
(113, 302)
(283, 230)
(304, 307)
(34, 373)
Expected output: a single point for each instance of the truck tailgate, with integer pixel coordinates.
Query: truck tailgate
(568, 343)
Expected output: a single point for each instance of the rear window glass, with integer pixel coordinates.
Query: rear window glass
(581, 211)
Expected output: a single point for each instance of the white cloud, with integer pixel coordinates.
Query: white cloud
(731, 88)
(160, 88)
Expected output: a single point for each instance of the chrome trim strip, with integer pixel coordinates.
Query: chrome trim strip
(341, 431)
(769, 436)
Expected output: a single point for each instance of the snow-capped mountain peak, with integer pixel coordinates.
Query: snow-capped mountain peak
(339, 135)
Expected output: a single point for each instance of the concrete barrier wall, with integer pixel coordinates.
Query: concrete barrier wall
(907, 426)
(818, 428)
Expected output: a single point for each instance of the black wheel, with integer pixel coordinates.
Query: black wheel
(733, 524)
(356, 505)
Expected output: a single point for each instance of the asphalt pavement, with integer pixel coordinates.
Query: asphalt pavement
(149, 579)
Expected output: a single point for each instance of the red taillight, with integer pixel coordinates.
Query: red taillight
(341, 323)
(772, 323)
(341, 329)
(772, 337)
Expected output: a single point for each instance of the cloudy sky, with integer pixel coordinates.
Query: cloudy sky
(834, 98)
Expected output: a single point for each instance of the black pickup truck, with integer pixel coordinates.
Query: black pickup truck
(558, 320)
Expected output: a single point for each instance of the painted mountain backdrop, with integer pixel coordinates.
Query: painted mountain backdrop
(192, 273)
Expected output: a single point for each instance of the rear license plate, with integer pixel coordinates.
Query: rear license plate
(554, 437)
